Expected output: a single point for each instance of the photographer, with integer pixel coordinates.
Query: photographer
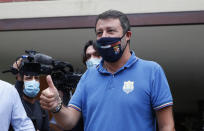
(28, 87)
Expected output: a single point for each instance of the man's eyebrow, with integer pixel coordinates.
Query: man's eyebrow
(111, 28)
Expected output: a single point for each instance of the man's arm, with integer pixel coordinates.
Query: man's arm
(67, 117)
(165, 119)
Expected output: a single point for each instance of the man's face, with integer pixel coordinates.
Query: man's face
(91, 53)
(108, 28)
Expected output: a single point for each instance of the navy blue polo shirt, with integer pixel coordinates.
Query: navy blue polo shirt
(125, 100)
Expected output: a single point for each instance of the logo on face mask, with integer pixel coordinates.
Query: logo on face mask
(92, 62)
(31, 88)
(116, 49)
(110, 48)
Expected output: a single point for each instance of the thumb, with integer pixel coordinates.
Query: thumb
(50, 82)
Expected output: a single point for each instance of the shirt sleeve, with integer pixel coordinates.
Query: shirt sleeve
(19, 119)
(160, 92)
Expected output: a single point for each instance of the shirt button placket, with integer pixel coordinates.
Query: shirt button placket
(111, 82)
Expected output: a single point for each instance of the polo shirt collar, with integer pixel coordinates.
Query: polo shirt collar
(133, 59)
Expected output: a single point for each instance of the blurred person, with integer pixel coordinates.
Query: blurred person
(90, 55)
(12, 111)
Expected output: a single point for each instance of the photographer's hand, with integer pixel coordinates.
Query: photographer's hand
(49, 98)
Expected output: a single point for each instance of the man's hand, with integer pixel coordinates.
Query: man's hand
(49, 98)
(68, 117)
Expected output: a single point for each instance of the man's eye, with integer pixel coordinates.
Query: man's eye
(98, 33)
(37, 78)
(28, 78)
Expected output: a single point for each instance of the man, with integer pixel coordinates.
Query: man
(12, 110)
(124, 93)
(31, 89)
(28, 86)
(90, 55)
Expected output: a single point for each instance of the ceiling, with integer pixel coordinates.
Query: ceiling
(178, 49)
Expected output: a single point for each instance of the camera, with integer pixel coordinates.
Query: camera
(32, 63)
(35, 63)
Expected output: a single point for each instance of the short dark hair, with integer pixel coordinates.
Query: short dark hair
(125, 24)
(89, 43)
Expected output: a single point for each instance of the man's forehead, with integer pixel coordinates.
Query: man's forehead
(108, 23)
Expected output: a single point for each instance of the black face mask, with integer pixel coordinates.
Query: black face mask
(110, 48)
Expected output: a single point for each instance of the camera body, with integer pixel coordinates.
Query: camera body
(34, 63)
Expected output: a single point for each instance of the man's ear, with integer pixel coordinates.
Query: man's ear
(128, 36)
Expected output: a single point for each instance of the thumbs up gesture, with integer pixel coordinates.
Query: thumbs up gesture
(49, 98)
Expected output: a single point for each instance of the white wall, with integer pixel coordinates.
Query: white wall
(93, 7)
